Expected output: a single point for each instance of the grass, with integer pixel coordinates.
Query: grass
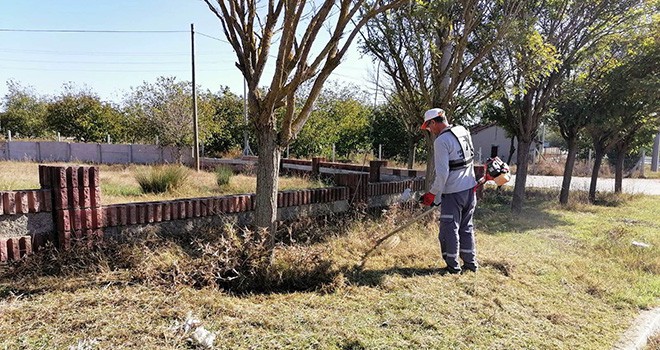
(223, 174)
(162, 178)
(118, 183)
(552, 278)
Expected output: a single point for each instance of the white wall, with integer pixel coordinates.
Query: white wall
(494, 136)
(47, 151)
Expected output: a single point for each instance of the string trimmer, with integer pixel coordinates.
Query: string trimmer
(495, 169)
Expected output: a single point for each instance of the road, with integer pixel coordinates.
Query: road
(646, 186)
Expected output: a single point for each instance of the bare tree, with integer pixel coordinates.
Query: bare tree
(290, 31)
(429, 51)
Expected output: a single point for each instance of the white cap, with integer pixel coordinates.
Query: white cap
(431, 114)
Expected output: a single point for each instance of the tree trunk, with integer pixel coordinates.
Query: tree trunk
(265, 213)
(568, 170)
(521, 176)
(512, 150)
(411, 152)
(430, 161)
(618, 170)
(598, 160)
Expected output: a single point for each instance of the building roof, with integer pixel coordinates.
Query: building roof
(481, 127)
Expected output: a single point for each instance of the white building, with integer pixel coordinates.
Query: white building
(491, 140)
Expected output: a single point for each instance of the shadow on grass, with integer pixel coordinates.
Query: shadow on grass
(493, 214)
(374, 278)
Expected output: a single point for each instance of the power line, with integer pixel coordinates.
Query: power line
(102, 62)
(100, 53)
(212, 37)
(111, 70)
(12, 30)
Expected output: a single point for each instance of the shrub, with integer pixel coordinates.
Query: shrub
(223, 174)
(162, 178)
(221, 256)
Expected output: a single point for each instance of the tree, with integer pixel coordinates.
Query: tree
(293, 28)
(572, 114)
(80, 113)
(24, 112)
(340, 117)
(164, 109)
(627, 106)
(429, 51)
(228, 121)
(553, 38)
(388, 130)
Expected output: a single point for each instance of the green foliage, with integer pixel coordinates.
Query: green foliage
(341, 118)
(229, 124)
(23, 112)
(164, 109)
(80, 113)
(388, 130)
(223, 174)
(163, 178)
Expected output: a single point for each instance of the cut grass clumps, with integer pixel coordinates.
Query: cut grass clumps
(223, 174)
(160, 179)
(222, 256)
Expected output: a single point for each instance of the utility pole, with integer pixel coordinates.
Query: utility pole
(194, 96)
(654, 154)
(377, 76)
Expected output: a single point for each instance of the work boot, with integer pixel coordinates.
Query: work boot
(470, 268)
(449, 270)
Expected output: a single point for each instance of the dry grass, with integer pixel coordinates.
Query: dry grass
(551, 279)
(119, 185)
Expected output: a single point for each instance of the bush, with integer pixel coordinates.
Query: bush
(162, 178)
(222, 256)
(223, 174)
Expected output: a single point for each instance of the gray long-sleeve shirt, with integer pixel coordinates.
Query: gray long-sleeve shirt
(445, 148)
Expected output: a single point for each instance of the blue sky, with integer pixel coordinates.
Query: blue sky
(111, 63)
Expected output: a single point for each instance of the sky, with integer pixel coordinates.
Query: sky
(111, 63)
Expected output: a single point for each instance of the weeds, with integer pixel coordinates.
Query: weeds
(226, 257)
(161, 179)
(222, 175)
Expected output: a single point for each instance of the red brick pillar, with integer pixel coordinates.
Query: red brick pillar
(374, 169)
(357, 186)
(316, 166)
(76, 195)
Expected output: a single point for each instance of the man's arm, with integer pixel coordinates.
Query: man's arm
(441, 161)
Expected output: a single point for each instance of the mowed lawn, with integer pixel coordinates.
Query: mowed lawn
(551, 278)
(118, 183)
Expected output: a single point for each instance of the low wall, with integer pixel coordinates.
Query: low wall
(100, 153)
(69, 206)
(25, 217)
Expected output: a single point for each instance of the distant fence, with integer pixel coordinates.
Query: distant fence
(98, 153)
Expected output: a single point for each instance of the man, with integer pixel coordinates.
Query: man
(453, 187)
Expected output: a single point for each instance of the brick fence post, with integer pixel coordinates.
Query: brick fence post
(316, 166)
(76, 196)
(357, 186)
(374, 169)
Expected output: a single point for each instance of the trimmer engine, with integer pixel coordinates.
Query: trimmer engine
(497, 171)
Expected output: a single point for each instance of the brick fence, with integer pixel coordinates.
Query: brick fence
(68, 206)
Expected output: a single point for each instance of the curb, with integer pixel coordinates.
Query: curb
(644, 326)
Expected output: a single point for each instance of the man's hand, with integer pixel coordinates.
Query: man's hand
(428, 199)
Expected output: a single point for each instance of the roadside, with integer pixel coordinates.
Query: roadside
(632, 186)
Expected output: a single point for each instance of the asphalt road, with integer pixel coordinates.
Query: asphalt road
(646, 186)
